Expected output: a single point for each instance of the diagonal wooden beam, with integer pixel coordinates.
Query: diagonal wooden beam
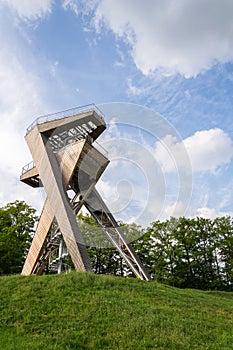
(56, 173)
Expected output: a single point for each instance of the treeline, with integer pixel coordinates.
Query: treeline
(185, 253)
(189, 253)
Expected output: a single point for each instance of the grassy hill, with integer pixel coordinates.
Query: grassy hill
(87, 311)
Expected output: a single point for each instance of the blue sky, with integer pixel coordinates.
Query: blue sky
(172, 58)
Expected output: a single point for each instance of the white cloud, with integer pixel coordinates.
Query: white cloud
(225, 194)
(211, 213)
(72, 5)
(20, 101)
(134, 90)
(176, 209)
(30, 9)
(183, 37)
(167, 153)
(207, 150)
(53, 68)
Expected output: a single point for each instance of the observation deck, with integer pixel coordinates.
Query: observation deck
(64, 128)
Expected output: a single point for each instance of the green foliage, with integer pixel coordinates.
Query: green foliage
(104, 257)
(91, 232)
(190, 253)
(87, 311)
(17, 221)
(185, 253)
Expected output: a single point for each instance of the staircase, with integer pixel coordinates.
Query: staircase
(110, 227)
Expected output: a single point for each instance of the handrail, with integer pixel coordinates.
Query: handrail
(100, 148)
(96, 145)
(28, 167)
(65, 114)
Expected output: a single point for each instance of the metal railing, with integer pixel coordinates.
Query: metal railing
(28, 167)
(100, 148)
(96, 145)
(65, 114)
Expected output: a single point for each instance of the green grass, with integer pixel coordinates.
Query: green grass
(87, 311)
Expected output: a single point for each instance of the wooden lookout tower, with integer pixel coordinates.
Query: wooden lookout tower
(65, 158)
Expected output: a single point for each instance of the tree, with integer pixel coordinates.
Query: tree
(17, 222)
(105, 259)
(224, 254)
(189, 253)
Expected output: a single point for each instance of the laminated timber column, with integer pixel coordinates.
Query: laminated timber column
(57, 204)
(43, 227)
